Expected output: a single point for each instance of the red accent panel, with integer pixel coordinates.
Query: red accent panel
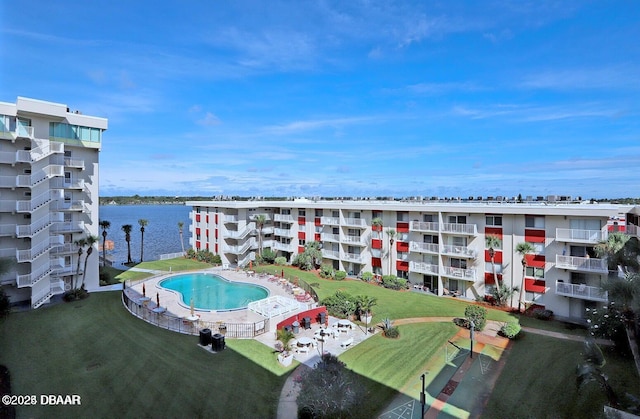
(496, 231)
(313, 313)
(216, 233)
(301, 220)
(317, 221)
(300, 249)
(402, 246)
(207, 245)
(215, 218)
(488, 278)
(376, 262)
(376, 228)
(206, 231)
(534, 236)
(533, 285)
(376, 244)
(197, 231)
(302, 235)
(402, 265)
(197, 244)
(207, 218)
(497, 257)
(197, 218)
(402, 227)
(216, 247)
(317, 237)
(535, 261)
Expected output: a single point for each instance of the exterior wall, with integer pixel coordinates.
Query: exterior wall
(441, 246)
(48, 197)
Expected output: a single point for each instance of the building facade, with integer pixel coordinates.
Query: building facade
(439, 246)
(48, 198)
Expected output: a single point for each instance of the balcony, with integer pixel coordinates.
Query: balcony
(229, 218)
(283, 218)
(353, 257)
(28, 181)
(78, 164)
(460, 229)
(459, 251)
(357, 240)
(424, 226)
(30, 279)
(421, 247)
(285, 247)
(333, 221)
(354, 222)
(68, 227)
(460, 273)
(423, 268)
(326, 237)
(331, 254)
(284, 232)
(570, 235)
(581, 291)
(582, 264)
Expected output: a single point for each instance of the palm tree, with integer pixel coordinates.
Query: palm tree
(80, 243)
(523, 249)
(143, 223)
(260, 219)
(104, 224)
(180, 226)
(91, 240)
(492, 241)
(613, 250)
(127, 237)
(377, 222)
(392, 236)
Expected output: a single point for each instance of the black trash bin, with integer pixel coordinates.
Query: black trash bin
(306, 322)
(296, 326)
(288, 328)
(205, 337)
(322, 317)
(217, 342)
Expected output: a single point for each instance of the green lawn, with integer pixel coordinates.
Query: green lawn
(124, 367)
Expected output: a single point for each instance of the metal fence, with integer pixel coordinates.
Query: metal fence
(172, 255)
(169, 321)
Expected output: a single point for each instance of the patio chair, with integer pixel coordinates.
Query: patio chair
(346, 343)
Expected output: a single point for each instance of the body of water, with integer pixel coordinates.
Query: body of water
(161, 235)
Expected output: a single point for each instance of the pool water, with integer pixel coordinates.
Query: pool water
(212, 292)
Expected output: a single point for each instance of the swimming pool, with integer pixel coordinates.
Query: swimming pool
(212, 292)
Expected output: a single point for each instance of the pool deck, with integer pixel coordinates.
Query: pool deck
(171, 300)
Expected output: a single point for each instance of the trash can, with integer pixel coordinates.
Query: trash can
(322, 317)
(288, 328)
(217, 342)
(296, 326)
(205, 337)
(306, 322)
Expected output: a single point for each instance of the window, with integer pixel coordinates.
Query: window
(302, 242)
(494, 220)
(403, 274)
(402, 216)
(539, 248)
(430, 239)
(458, 263)
(533, 297)
(458, 219)
(376, 214)
(74, 132)
(488, 267)
(534, 272)
(301, 213)
(428, 218)
(301, 227)
(403, 255)
(531, 221)
(335, 214)
(319, 213)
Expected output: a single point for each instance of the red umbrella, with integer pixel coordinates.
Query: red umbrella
(282, 274)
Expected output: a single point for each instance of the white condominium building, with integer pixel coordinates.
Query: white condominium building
(48, 198)
(439, 246)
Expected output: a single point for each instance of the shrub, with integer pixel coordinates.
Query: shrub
(477, 315)
(542, 314)
(5, 305)
(268, 256)
(394, 283)
(340, 304)
(77, 294)
(326, 271)
(367, 276)
(204, 255)
(510, 330)
(388, 329)
(280, 261)
(458, 321)
(339, 275)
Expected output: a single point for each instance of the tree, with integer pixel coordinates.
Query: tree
(364, 304)
(261, 219)
(80, 243)
(91, 240)
(143, 223)
(590, 370)
(127, 228)
(104, 224)
(613, 249)
(180, 226)
(492, 242)
(392, 237)
(5, 304)
(311, 258)
(523, 249)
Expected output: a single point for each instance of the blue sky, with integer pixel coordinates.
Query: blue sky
(342, 98)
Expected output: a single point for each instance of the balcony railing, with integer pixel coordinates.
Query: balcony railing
(353, 257)
(423, 226)
(460, 251)
(285, 247)
(326, 237)
(581, 291)
(582, 264)
(465, 229)
(331, 254)
(286, 232)
(352, 240)
(423, 267)
(581, 236)
(460, 273)
(230, 218)
(423, 247)
(330, 221)
(354, 222)
(287, 218)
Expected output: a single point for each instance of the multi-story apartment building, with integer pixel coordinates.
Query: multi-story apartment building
(48, 197)
(437, 245)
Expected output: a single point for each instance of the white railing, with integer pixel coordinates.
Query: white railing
(67, 270)
(7, 229)
(353, 257)
(283, 217)
(632, 230)
(36, 226)
(582, 264)
(8, 181)
(8, 157)
(238, 250)
(64, 249)
(29, 255)
(352, 239)
(330, 237)
(466, 274)
(461, 251)
(74, 163)
(23, 131)
(423, 247)
(581, 291)
(468, 229)
(354, 222)
(286, 232)
(423, 267)
(229, 218)
(67, 226)
(37, 202)
(8, 252)
(44, 149)
(75, 205)
(62, 183)
(423, 226)
(583, 236)
(333, 254)
(285, 247)
(330, 220)
(27, 181)
(250, 228)
(32, 278)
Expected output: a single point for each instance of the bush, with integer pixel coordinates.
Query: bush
(340, 304)
(510, 330)
(477, 315)
(77, 294)
(388, 329)
(5, 306)
(367, 276)
(280, 261)
(204, 255)
(339, 275)
(542, 314)
(326, 271)
(268, 256)
(394, 283)
(458, 321)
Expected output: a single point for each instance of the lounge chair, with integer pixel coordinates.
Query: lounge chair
(346, 343)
